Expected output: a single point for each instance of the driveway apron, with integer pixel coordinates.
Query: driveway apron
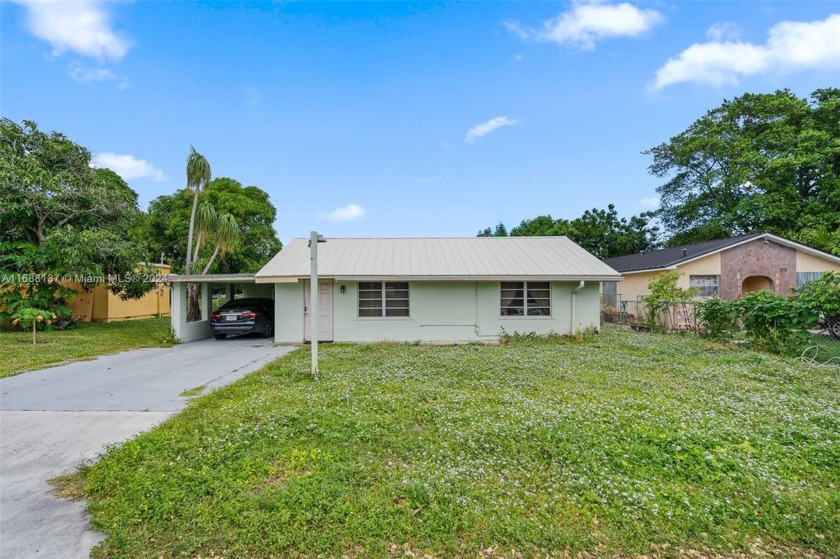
(53, 420)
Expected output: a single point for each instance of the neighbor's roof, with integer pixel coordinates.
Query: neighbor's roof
(669, 258)
(487, 258)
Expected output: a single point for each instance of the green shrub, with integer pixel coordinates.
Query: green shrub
(718, 319)
(774, 323)
(822, 295)
(663, 294)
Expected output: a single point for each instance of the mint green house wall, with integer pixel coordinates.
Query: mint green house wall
(440, 312)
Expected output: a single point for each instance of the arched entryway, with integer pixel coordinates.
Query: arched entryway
(756, 283)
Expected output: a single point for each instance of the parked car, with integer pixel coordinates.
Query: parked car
(832, 324)
(243, 316)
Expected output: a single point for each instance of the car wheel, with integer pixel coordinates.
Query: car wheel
(269, 330)
(834, 327)
(220, 336)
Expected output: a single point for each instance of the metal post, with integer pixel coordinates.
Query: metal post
(313, 300)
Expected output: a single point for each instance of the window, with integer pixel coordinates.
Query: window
(707, 286)
(609, 295)
(383, 299)
(804, 277)
(526, 298)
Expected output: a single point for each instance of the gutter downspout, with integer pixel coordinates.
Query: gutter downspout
(573, 330)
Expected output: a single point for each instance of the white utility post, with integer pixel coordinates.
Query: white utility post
(314, 239)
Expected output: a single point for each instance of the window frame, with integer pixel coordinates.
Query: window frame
(383, 299)
(703, 288)
(525, 298)
(806, 277)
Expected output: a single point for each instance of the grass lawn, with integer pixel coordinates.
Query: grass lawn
(88, 340)
(621, 445)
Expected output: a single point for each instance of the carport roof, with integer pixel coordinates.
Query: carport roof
(440, 259)
(211, 278)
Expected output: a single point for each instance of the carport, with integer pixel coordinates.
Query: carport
(229, 284)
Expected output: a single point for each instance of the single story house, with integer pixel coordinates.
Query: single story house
(727, 268)
(436, 289)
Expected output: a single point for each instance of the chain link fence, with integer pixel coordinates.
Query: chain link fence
(679, 317)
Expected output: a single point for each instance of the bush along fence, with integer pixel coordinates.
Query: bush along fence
(768, 321)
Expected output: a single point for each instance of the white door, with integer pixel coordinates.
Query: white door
(325, 311)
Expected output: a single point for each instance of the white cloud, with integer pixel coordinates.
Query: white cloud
(346, 213)
(426, 180)
(589, 21)
(83, 74)
(485, 128)
(652, 202)
(81, 26)
(127, 166)
(791, 46)
(724, 31)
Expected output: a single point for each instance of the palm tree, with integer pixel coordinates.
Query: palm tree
(198, 175)
(205, 221)
(226, 235)
(821, 238)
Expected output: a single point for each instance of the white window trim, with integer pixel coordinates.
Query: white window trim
(525, 315)
(384, 305)
(717, 294)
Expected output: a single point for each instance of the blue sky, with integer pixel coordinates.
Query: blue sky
(402, 119)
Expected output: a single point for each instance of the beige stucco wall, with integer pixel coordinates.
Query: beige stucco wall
(706, 266)
(809, 263)
(100, 305)
(440, 312)
(635, 285)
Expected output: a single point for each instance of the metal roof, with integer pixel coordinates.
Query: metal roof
(211, 278)
(672, 257)
(486, 258)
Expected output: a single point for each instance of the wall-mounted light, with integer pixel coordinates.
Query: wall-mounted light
(342, 289)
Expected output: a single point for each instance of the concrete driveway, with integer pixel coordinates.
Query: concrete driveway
(54, 419)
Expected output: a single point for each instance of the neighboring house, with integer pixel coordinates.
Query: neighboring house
(727, 268)
(100, 305)
(436, 289)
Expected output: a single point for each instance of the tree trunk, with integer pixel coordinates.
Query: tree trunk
(193, 305)
(188, 263)
(34, 324)
(210, 262)
(197, 247)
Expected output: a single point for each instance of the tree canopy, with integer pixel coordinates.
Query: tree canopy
(46, 183)
(759, 162)
(59, 216)
(601, 232)
(167, 224)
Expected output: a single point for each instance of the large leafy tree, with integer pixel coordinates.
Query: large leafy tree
(601, 232)
(167, 224)
(759, 162)
(60, 216)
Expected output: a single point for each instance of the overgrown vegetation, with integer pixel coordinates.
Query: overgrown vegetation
(770, 322)
(620, 445)
(663, 297)
(87, 341)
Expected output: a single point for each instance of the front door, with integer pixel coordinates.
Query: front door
(325, 311)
